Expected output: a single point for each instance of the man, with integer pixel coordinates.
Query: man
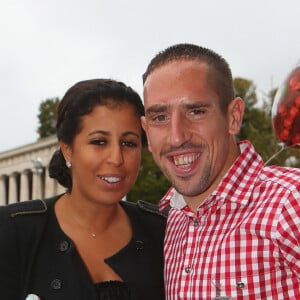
(233, 226)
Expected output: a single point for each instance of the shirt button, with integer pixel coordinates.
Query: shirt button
(240, 285)
(196, 223)
(187, 269)
(56, 284)
(64, 246)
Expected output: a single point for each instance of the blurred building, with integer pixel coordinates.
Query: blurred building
(24, 172)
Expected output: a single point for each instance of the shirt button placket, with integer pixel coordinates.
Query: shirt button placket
(187, 269)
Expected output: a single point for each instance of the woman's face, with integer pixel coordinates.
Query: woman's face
(106, 154)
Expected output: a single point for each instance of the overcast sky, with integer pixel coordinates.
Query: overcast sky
(47, 46)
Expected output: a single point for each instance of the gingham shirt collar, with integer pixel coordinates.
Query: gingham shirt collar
(234, 185)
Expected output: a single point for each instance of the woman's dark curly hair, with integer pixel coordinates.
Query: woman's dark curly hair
(80, 100)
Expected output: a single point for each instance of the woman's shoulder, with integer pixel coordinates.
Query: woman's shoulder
(145, 217)
(26, 219)
(143, 208)
(151, 208)
(26, 209)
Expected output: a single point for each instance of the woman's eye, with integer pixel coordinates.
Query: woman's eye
(98, 142)
(129, 144)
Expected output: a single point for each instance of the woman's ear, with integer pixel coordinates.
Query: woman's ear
(66, 151)
(235, 115)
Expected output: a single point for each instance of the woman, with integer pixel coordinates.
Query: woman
(86, 243)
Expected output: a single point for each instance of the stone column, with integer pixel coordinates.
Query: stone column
(50, 186)
(24, 186)
(37, 186)
(59, 188)
(13, 189)
(3, 191)
(37, 179)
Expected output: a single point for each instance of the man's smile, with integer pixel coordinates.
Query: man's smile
(185, 160)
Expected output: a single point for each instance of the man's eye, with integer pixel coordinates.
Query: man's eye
(159, 118)
(197, 111)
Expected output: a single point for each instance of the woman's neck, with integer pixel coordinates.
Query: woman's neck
(89, 216)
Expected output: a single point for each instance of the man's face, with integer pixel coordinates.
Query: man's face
(188, 134)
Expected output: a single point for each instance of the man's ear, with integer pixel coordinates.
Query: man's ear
(145, 127)
(235, 115)
(66, 151)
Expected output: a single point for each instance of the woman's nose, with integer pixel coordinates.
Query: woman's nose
(115, 155)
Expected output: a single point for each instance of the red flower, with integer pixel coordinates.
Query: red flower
(294, 84)
(284, 135)
(297, 101)
(282, 110)
(296, 139)
(287, 123)
(293, 111)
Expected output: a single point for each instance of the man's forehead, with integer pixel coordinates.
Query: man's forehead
(180, 63)
(184, 78)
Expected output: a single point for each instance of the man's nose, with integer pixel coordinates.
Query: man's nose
(179, 131)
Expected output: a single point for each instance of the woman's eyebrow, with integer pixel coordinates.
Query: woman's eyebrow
(98, 131)
(107, 133)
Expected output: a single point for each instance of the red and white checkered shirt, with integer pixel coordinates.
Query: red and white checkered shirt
(244, 241)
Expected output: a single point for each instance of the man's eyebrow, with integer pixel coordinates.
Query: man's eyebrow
(196, 105)
(156, 108)
(163, 108)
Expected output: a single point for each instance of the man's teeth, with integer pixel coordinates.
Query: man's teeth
(185, 160)
(111, 179)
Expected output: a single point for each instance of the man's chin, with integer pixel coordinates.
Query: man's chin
(186, 191)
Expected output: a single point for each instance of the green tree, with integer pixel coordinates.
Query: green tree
(46, 116)
(257, 124)
(151, 184)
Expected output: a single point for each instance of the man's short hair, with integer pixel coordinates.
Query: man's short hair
(219, 73)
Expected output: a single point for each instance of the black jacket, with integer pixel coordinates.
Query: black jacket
(37, 257)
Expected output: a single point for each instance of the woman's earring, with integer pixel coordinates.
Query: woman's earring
(68, 164)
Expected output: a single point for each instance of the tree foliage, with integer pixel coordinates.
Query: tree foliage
(151, 184)
(46, 116)
(257, 125)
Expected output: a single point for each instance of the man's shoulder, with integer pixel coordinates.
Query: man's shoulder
(286, 177)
